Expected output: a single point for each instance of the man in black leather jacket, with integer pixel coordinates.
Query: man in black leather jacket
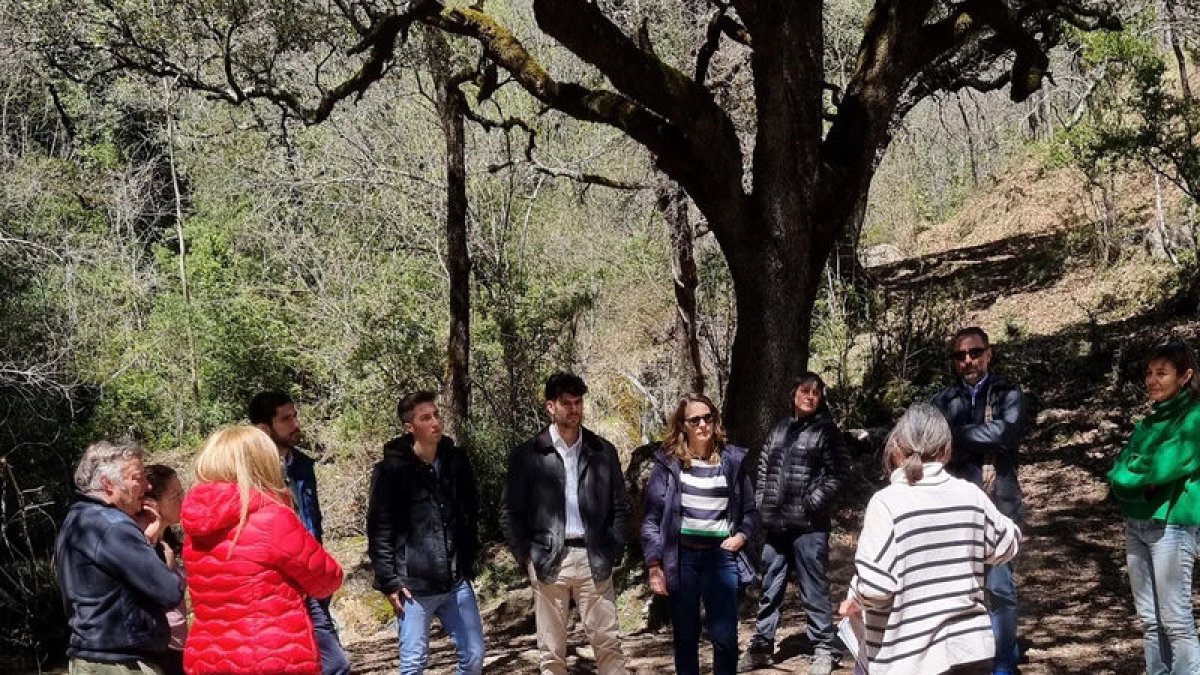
(987, 416)
(423, 536)
(565, 519)
(800, 473)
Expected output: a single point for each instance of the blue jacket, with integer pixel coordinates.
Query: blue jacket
(303, 480)
(116, 591)
(664, 509)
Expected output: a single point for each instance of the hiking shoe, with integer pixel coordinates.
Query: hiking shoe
(822, 664)
(754, 659)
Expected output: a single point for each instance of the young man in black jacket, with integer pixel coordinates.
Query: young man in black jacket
(565, 518)
(802, 469)
(422, 531)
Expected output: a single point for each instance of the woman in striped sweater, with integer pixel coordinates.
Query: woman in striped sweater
(920, 560)
(699, 515)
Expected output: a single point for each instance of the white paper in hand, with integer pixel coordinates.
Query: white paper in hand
(851, 630)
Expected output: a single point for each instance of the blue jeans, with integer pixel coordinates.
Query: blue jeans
(459, 613)
(333, 658)
(1160, 559)
(1002, 591)
(809, 554)
(709, 576)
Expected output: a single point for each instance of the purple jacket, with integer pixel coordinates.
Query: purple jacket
(664, 507)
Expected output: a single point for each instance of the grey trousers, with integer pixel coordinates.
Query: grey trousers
(808, 553)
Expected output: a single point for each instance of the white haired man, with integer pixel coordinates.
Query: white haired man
(115, 588)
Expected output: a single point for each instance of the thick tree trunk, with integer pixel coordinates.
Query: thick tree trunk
(775, 299)
(776, 256)
(458, 259)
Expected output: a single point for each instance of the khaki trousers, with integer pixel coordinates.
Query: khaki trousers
(597, 601)
(138, 667)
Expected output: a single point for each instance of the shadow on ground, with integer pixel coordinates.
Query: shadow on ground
(1084, 386)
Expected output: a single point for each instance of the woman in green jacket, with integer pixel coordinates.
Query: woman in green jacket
(1157, 480)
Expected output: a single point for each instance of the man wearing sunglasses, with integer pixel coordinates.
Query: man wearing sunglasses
(986, 412)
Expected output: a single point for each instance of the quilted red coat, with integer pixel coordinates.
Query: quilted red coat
(248, 598)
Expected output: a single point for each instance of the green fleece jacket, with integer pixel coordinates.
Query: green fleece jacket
(1157, 475)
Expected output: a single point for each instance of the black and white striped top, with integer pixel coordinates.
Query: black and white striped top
(919, 573)
(704, 493)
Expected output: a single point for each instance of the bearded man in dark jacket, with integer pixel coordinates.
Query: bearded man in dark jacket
(987, 416)
(802, 469)
(565, 516)
(423, 537)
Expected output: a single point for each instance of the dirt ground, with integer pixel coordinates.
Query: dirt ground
(1077, 615)
(1082, 378)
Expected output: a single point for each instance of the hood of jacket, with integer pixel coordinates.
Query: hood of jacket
(212, 508)
(401, 448)
(823, 414)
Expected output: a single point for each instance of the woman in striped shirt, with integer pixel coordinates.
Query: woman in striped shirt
(699, 515)
(920, 560)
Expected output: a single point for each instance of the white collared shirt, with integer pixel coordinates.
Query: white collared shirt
(570, 458)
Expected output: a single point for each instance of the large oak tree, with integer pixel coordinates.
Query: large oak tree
(776, 203)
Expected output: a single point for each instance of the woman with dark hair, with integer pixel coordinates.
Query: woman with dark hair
(699, 515)
(165, 497)
(1156, 478)
(802, 470)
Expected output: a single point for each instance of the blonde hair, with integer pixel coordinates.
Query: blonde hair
(675, 441)
(922, 435)
(247, 457)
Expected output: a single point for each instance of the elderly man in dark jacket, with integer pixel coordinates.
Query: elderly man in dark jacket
(565, 519)
(423, 536)
(801, 471)
(115, 588)
(987, 416)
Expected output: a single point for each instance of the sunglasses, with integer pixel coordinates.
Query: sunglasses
(973, 352)
(695, 421)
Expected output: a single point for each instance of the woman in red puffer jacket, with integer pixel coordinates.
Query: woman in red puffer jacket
(250, 563)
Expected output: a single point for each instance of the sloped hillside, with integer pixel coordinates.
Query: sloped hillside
(1071, 313)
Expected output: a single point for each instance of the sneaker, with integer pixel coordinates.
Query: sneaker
(822, 664)
(754, 659)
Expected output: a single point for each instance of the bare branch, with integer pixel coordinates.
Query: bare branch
(509, 123)
(720, 24)
(583, 28)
